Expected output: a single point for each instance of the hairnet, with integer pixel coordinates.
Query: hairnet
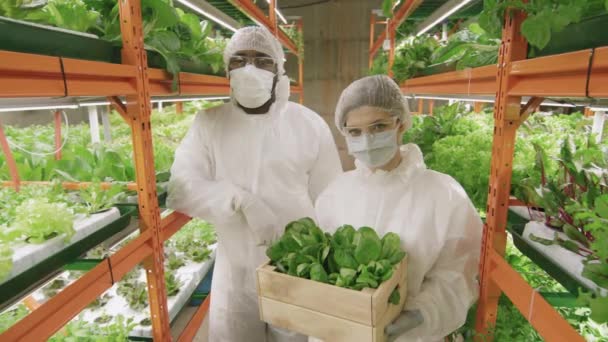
(255, 38)
(378, 91)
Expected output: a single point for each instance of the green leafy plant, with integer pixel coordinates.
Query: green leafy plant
(12, 316)
(146, 322)
(194, 240)
(54, 287)
(81, 330)
(296, 37)
(468, 48)
(134, 292)
(411, 57)
(543, 17)
(68, 14)
(173, 262)
(37, 220)
(349, 258)
(100, 301)
(575, 202)
(387, 7)
(103, 319)
(172, 283)
(96, 199)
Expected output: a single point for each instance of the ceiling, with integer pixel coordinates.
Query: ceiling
(424, 9)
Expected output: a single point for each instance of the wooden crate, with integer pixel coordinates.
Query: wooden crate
(328, 312)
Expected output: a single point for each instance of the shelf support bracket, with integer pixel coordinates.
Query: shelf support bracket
(529, 108)
(120, 108)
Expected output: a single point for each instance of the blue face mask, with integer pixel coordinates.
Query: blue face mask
(374, 150)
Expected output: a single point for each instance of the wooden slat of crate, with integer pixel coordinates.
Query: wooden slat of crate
(325, 298)
(313, 323)
(382, 311)
(326, 311)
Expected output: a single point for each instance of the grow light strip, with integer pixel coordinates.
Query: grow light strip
(548, 104)
(169, 99)
(206, 14)
(599, 109)
(12, 109)
(276, 10)
(449, 8)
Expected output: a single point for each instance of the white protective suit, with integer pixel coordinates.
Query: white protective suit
(439, 228)
(284, 158)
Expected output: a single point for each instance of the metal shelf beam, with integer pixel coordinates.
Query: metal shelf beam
(476, 81)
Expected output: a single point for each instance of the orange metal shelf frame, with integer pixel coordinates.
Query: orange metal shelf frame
(393, 23)
(559, 75)
(575, 74)
(26, 75)
(252, 10)
(598, 81)
(477, 81)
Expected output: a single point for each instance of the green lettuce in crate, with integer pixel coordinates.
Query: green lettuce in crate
(349, 258)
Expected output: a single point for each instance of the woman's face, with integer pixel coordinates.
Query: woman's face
(369, 120)
(372, 136)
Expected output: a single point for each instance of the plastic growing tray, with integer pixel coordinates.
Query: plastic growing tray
(191, 275)
(28, 279)
(25, 37)
(561, 275)
(588, 33)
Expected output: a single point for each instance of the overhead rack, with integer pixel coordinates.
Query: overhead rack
(580, 74)
(128, 87)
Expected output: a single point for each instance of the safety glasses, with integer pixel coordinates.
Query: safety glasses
(373, 128)
(264, 63)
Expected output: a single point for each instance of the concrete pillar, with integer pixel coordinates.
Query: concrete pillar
(336, 44)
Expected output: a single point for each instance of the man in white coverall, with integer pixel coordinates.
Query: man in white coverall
(250, 167)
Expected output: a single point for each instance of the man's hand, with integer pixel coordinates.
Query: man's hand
(260, 218)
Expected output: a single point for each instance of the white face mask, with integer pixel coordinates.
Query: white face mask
(374, 150)
(251, 86)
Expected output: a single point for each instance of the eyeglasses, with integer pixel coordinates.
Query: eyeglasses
(376, 127)
(264, 63)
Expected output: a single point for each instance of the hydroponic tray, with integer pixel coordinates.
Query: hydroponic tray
(549, 257)
(22, 36)
(35, 262)
(588, 33)
(190, 275)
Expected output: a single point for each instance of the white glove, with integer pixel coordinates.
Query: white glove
(406, 321)
(260, 218)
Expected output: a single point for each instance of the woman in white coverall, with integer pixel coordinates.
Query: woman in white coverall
(250, 167)
(391, 190)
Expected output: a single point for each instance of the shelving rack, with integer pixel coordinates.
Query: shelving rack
(576, 74)
(408, 7)
(30, 75)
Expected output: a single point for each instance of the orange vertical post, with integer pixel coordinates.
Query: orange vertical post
(431, 106)
(179, 107)
(420, 105)
(10, 160)
(372, 26)
(139, 112)
(391, 51)
(300, 28)
(57, 135)
(506, 120)
(272, 15)
(478, 107)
